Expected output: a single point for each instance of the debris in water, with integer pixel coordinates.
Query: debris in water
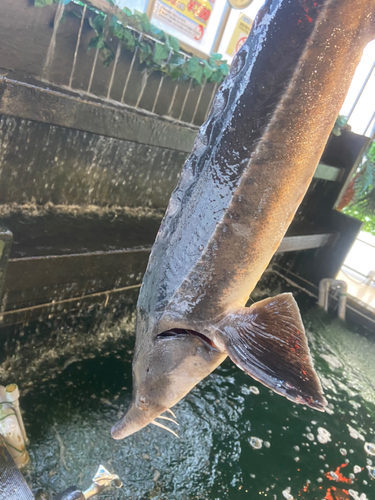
(371, 471)
(338, 476)
(370, 449)
(286, 494)
(254, 389)
(334, 476)
(356, 435)
(245, 390)
(323, 435)
(356, 496)
(255, 442)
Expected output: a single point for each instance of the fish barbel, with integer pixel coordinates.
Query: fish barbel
(252, 162)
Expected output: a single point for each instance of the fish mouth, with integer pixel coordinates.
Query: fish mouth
(180, 380)
(175, 332)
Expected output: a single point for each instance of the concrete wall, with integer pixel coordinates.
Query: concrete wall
(25, 37)
(56, 148)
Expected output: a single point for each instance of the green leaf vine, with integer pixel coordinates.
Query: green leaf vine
(362, 204)
(156, 50)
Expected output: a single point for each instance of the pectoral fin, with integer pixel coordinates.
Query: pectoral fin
(268, 341)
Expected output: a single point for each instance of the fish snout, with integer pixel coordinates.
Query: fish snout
(134, 419)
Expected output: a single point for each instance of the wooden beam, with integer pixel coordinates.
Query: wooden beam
(305, 242)
(328, 173)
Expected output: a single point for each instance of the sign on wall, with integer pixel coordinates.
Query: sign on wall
(240, 34)
(189, 17)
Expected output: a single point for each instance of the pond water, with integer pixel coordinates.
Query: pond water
(238, 440)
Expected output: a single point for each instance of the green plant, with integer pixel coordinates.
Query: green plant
(340, 125)
(157, 50)
(362, 204)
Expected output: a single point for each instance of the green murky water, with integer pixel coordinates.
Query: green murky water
(69, 420)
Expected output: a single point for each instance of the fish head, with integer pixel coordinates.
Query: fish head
(166, 366)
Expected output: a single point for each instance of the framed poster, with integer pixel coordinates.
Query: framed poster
(240, 34)
(188, 17)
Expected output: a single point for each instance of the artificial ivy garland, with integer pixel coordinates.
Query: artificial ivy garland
(158, 51)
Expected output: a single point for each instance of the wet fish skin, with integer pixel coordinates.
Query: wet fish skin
(252, 162)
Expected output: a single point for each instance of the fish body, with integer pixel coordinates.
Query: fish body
(252, 162)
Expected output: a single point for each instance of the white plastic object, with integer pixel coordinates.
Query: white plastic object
(10, 429)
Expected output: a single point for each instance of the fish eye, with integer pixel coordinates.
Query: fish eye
(142, 403)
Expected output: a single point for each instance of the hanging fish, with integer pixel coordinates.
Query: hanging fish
(252, 162)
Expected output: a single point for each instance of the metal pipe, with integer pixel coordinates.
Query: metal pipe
(369, 123)
(211, 99)
(52, 44)
(324, 287)
(143, 86)
(342, 299)
(185, 99)
(77, 46)
(118, 51)
(290, 282)
(160, 84)
(55, 303)
(361, 91)
(198, 102)
(169, 112)
(293, 283)
(130, 69)
(93, 70)
(322, 294)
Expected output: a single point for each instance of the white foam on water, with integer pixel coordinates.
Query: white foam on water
(369, 448)
(323, 436)
(355, 434)
(255, 442)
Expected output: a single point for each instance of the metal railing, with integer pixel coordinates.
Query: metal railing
(170, 112)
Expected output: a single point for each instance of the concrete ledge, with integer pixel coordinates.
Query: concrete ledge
(30, 102)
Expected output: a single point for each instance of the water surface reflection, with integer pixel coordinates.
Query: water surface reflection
(238, 439)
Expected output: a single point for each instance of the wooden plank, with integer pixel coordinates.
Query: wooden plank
(305, 242)
(328, 173)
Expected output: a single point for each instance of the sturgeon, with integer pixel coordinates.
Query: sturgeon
(251, 164)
